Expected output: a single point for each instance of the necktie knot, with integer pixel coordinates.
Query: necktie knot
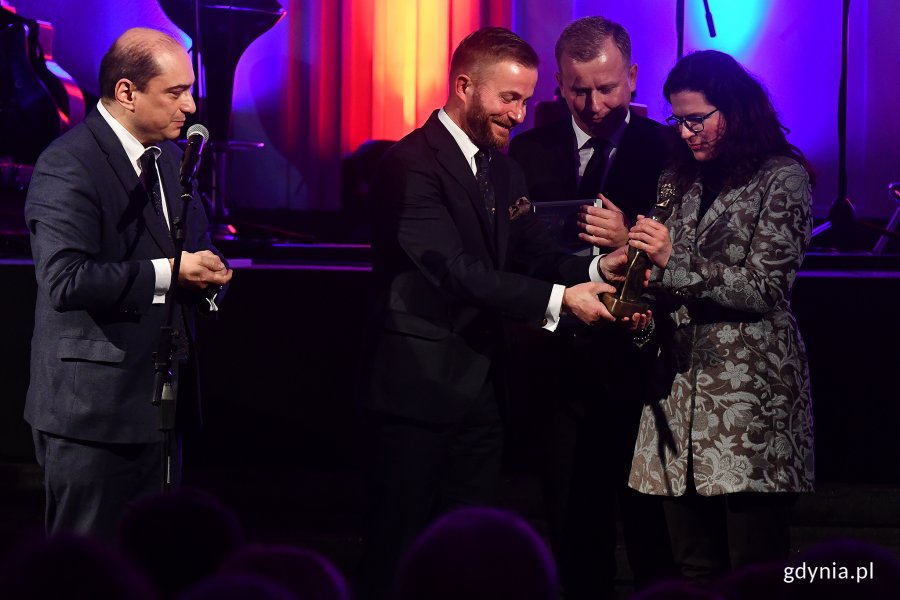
(151, 153)
(598, 144)
(150, 180)
(482, 161)
(147, 163)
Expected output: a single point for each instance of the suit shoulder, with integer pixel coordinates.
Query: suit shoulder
(543, 134)
(779, 168)
(75, 141)
(646, 122)
(649, 138)
(77, 147)
(411, 147)
(649, 129)
(777, 163)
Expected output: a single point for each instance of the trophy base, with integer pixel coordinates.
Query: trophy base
(622, 308)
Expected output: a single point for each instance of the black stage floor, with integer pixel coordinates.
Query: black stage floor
(281, 444)
(322, 509)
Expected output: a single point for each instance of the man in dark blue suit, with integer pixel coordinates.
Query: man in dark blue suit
(99, 209)
(454, 251)
(591, 410)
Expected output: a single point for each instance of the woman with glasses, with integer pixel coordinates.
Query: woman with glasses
(726, 436)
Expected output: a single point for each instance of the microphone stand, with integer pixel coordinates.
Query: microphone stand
(163, 393)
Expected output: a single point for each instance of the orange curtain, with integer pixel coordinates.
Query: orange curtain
(366, 69)
(396, 56)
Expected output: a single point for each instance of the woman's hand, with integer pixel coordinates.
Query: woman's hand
(638, 322)
(653, 238)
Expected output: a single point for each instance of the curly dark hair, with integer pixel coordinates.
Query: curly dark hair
(753, 132)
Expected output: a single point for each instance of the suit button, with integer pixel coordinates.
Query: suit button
(544, 323)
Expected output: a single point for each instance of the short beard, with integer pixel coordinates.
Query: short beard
(478, 125)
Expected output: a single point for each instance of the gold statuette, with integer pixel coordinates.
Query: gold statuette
(626, 301)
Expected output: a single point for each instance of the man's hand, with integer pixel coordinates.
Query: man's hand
(201, 269)
(653, 238)
(582, 301)
(614, 266)
(605, 227)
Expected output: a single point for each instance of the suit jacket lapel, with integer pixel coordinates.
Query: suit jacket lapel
(567, 153)
(619, 170)
(718, 208)
(500, 180)
(451, 158)
(138, 201)
(169, 172)
(688, 209)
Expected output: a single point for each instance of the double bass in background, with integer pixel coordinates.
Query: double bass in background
(38, 99)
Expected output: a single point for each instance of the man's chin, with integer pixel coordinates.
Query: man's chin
(499, 137)
(496, 143)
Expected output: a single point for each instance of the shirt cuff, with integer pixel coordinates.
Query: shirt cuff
(163, 279)
(554, 307)
(594, 270)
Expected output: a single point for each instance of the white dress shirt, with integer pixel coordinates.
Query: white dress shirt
(134, 150)
(469, 149)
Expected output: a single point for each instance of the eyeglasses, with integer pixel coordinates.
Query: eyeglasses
(693, 124)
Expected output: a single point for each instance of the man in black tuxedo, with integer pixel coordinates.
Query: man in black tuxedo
(99, 209)
(603, 150)
(448, 233)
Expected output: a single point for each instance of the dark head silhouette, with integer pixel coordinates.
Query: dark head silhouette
(478, 554)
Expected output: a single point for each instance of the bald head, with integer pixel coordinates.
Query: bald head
(146, 80)
(133, 56)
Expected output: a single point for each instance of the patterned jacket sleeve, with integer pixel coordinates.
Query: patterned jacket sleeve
(777, 245)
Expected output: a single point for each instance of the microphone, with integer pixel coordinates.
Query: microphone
(709, 20)
(196, 135)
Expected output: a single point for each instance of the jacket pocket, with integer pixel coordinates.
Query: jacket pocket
(103, 351)
(413, 325)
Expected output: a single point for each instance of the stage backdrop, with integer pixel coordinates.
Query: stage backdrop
(335, 73)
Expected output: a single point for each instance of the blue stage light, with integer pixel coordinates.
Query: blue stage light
(739, 25)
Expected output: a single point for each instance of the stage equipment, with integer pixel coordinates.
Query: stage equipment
(891, 229)
(171, 337)
(221, 31)
(38, 99)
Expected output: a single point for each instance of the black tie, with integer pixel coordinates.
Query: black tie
(150, 180)
(482, 176)
(593, 172)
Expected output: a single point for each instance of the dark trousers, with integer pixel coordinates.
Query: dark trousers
(591, 415)
(418, 471)
(89, 485)
(712, 534)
